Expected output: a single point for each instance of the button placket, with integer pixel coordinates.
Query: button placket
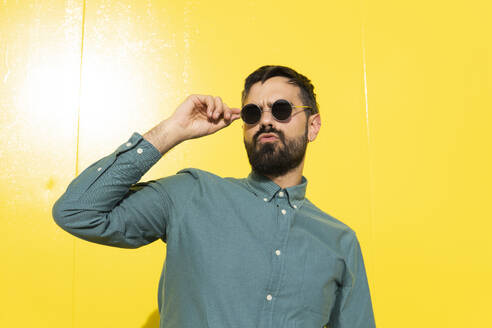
(283, 218)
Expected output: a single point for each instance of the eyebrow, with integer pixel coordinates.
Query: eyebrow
(269, 103)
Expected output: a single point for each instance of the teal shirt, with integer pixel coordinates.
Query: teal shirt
(240, 252)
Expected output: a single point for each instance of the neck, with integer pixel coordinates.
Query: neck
(291, 178)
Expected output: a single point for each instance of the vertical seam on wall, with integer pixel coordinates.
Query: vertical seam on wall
(187, 27)
(369, 148)
(77, 149)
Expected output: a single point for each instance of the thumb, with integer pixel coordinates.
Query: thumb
(235, 116)
(235, 110)
(235, 113)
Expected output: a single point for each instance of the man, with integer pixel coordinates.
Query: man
(251, 252)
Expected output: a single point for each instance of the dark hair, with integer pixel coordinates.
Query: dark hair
(307, 95)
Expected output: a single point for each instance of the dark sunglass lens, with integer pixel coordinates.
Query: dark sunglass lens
(281, 109)
(251, 114)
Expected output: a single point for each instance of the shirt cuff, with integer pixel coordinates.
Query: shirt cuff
(145, 155)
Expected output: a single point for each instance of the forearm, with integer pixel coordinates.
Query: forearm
(87, 209)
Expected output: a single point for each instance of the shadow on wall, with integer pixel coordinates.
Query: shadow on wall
(152, 320)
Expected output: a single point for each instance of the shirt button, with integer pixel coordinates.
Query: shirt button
(265, 199)
(269, 297)
(128, 144)
(139, 150)
(284, 211)
(99, 168)
(281, 194)
(277, 252)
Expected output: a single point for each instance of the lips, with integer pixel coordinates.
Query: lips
(267, 137)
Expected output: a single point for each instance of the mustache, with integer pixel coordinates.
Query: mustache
(263, 129)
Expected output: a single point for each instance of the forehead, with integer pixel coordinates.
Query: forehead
(274, 88)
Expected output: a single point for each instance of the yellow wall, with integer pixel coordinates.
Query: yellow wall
(403, 157)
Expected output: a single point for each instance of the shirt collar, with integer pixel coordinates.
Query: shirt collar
(265, 188)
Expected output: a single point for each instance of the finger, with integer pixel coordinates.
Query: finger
(235, 110)
(235, 113)
(232, 118)
(227, 112)
(210, 105)
(203, 103)
(218, 108)
(198, 102)
(235, 117)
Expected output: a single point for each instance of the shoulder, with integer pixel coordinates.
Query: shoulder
(209, 176)
(334, 223)
(208, 179)
(342, 236)
(191, 177)
(197, 173)
(183, 181)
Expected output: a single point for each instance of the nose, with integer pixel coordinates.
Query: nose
(266, 117)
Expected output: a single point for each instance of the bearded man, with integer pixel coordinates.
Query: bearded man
(249, 252)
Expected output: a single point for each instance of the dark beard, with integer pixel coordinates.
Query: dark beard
(272, 159)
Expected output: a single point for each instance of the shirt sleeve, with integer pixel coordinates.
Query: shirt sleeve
(106, 205)
(353, 306)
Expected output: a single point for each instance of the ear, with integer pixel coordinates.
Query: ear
(314, 126)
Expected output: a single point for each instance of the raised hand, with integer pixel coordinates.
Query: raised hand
(201, 115)
(196, 116)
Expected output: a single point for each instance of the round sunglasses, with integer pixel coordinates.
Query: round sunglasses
(281, 111)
